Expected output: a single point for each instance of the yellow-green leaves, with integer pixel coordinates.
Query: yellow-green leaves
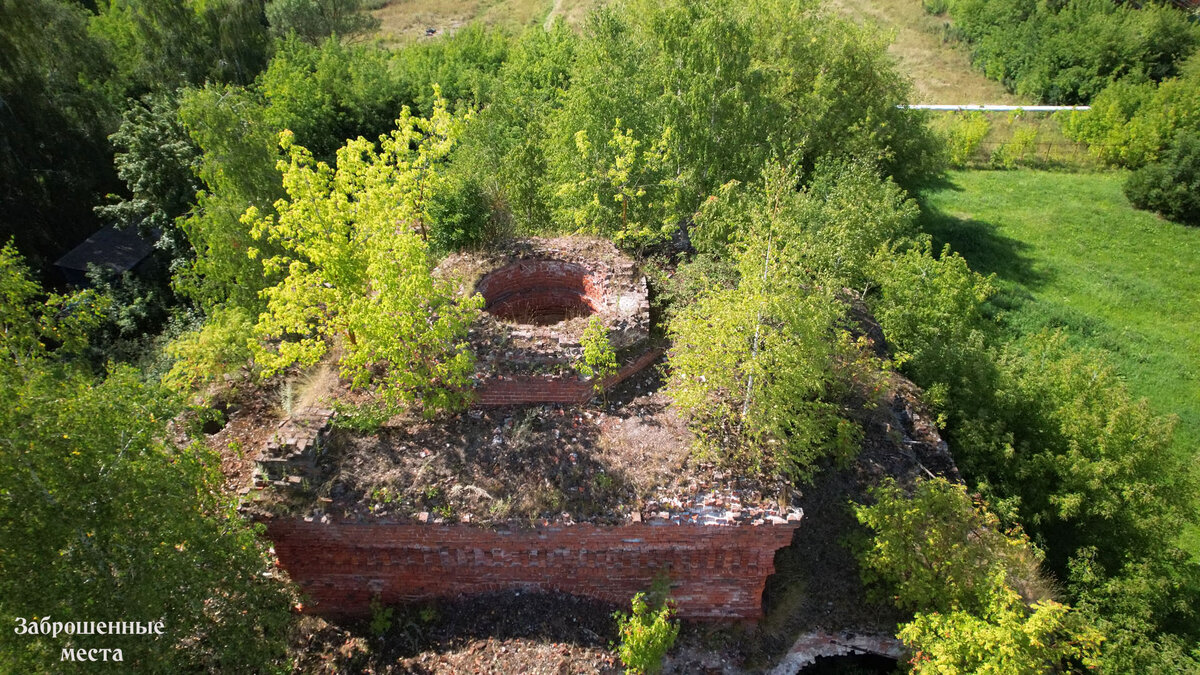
(356, 266)
(617, 185)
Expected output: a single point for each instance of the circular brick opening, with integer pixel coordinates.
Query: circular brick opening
(539, 292)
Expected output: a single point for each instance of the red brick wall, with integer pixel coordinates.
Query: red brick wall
(544, 389)
(717, 572)
(523, 288)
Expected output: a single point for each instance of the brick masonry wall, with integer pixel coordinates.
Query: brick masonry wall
(716, 572)
(519, 289)
(523, 389)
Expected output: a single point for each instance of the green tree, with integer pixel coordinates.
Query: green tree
(755, 367)
(57, 111)
(315, 20)
(355, 266)
(237, 168)
(104, 518)
(330, 92)
(164, 45)
(934, 549)
(1171, 187)
(615, 190)
(158, 162)
(931, 313)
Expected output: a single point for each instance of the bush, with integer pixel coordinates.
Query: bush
(459, 215)
(1170, 187)
(980, 603)
(646, 636)
(1017, 149)
(315, 20)
(938, 550)
(1066, 52)
(1134, 123)
(962, 133)
(936, 6)
(220, 346)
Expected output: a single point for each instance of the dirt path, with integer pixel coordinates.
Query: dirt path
(941, 73)
(553, 12)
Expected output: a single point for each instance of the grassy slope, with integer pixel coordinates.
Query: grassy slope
(941, 73)
(406, 20)
(1070, 252)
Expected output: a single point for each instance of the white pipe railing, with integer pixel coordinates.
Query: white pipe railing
(993, 108)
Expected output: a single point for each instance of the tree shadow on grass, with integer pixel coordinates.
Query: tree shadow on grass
(986, 249)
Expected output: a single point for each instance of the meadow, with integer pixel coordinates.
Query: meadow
(1070, 253)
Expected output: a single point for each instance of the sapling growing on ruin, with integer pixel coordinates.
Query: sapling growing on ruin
(599, 360)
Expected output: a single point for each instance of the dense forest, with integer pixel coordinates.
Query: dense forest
(299, 184)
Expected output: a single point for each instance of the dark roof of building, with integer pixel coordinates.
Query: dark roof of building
(119, 250)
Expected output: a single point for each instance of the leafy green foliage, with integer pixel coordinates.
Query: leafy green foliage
(364, 418)
(330, 92)
(599, 362)
(1132, 123)
(1171, 187)
(936, 550)
(945, 558)
(1068, 52)
(104, 516)
(1085, 464)
(1147, 611)
(460, 215)
(931, 312)
(1006, 637)
(711, 92)
(237, 168)
(355, 267)
(54, 162)
(616, 187)
(221, 345)
(962, 133)
(757, 366)
(646, 636)
(158, 162)
(163, 45)
(315, 20)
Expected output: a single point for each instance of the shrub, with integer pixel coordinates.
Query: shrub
(315, 20)
(220, 346)
(1131, 124)
(962, 134)
(1016, 149)
(938, 550)
(1007, 637)
(931, 312)
(1067, 52)
(1170, 187)
(459, 215)
(599, 361)
(980, 602)
(936, 6)
(646, 636)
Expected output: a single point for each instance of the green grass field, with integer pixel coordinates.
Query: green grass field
(1070, 252)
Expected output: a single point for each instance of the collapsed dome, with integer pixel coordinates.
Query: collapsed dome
(539, 292)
